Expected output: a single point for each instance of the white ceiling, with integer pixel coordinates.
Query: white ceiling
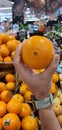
(5, 4)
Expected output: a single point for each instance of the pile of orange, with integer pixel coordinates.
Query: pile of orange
(8, 45)
(15, 111)
(55, 79)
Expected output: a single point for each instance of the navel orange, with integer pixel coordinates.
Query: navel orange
(6, 95)
(3, 108)
(18, 97)
(11, 86)
(11, 37)
(4, 37)
(37, 52)
(4, 50)
(53, 88)
(12, 45)
(0, 42)
(55, 77)
(12, 54)
(25, 110)
(27, 95)
(8, 59)
(14, 107)
(1, 59)
(11, 122)
(3, 86)
(29, 123)
(10, 77)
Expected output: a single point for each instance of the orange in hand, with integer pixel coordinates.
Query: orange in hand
(37, 52)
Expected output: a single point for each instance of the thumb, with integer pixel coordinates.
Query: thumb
(54, 64)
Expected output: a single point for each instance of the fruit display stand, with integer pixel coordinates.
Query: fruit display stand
(15, 95)
(13, 100)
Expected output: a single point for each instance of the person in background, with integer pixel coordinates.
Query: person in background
(16, 26)
(40, 85)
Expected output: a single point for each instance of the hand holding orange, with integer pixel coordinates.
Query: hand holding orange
(37, 52)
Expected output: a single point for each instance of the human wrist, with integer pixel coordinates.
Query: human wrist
(41, 96)
(43, 103)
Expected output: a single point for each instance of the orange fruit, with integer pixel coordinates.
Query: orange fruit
(27, 95)
(0, 120)
(9, 77)
(37, 52)
(12, 54)
(24, 84)
(11, 122)
(3, 108)
(55, 77)
(25, 110)
(11, 37)
(12, 45)
(1, 59)
(11, 86)
(4, 37)
(6, 96)
(14, 107)
(22, 89)
(4, 50)
(18, 98)
(8, 59)
(59, 118)
(0, 42)
(39, 71)
(29, 123)
(1, 127)
(53, 88)
(2, 87)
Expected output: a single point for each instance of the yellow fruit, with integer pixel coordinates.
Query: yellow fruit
(11, 122)
(3, 87)
(37, 52)
(6, 95)
(11, 86)
(60, 120)
(10, 77)
(25, 110)
(27, 95)
(4, 50)
(29, 123)
(3, 108)
(57, 108)
(8, 59)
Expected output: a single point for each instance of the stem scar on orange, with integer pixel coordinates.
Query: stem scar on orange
(37, 52)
